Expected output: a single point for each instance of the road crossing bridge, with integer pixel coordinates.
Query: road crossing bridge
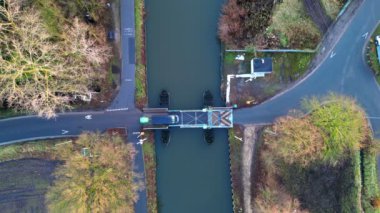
(207, 118)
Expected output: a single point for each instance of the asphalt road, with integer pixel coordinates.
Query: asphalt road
(121, 112)
(344, 71)
(125, 99)
(126, 96)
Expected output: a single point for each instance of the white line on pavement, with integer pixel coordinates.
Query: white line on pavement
(118, 109)
(332, 54)
(365, 35)
(374, 118)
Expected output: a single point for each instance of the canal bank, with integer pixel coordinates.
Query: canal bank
(183, 57)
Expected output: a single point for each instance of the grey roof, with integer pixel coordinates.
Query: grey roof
(262, 64)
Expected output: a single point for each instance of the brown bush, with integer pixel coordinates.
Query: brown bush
(376, 203)
(295, 140)
(242, 20)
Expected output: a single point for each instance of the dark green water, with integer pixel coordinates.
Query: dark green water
(183, 56)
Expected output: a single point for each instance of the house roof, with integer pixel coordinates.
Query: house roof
(262, 65)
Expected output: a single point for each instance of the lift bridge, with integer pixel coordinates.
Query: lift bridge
(207, 118)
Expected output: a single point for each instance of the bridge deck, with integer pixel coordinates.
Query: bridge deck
(205, 118)
(212, 117)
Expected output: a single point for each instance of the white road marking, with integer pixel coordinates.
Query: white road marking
(128, 79)
(365, 35)
(141, 141)
(64, 132)
(332, 54)
(128, 31)
(373, 118)
(88, 117)
(139, 134)
(118, 109)
(240, 139)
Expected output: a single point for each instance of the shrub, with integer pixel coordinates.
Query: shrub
(290, 19)
(296, 140)
(371, 193)
(342, 123)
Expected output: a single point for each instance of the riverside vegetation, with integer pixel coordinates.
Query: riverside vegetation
(141, 85)
(149, 152)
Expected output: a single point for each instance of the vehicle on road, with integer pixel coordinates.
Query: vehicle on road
(377, 42)
(159, 120)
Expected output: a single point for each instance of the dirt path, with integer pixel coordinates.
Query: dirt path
(247, 156)
(318, 14)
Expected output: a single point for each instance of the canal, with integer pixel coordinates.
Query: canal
(183, 57)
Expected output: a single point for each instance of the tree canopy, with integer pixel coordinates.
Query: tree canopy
(342, 123)
(334, 128)
(97, 177)
(296, 140)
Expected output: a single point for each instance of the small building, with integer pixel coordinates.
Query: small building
(261, 66)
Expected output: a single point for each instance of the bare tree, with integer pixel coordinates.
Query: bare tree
(37, 74)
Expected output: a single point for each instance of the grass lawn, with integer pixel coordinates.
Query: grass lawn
(372, 59)
(288, 67)
(150, 173)
(332, 7)
(47, 149)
